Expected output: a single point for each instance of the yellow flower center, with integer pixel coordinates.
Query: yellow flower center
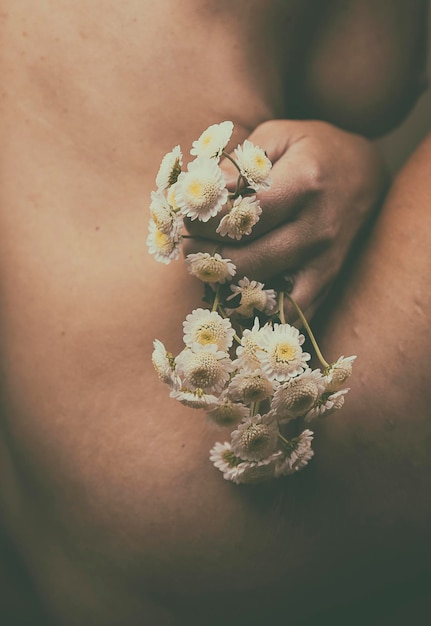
(195, 189)
(205, 337)
(260, 161)
(201, 192)
(163, 241)
(285, 352)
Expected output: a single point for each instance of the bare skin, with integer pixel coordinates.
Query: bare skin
(106, 487)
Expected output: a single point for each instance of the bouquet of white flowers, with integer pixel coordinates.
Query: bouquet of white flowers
(264, 389)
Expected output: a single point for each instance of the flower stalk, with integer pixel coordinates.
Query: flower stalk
(310, 333)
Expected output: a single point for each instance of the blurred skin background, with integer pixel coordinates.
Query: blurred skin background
(399, 144)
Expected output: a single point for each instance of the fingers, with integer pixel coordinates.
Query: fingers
(310, 269)
(288, 248)
(310, 288)
(296, 182)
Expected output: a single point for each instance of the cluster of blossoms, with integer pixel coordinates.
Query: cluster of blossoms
(263, 389)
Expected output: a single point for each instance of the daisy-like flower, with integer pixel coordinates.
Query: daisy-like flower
(204, 367)
(203, 326)
(327, 404)
(213, 140)
(210, 268)
(239, 471)
(339, 373)
(201, 191)
(256, 472)
(196, 399)
(246, 352)
(227, 413)
(165, 247)
(244, 214)
(296, 455)
(281, 356)
(253, 296)
(254, 165)
(256, 437)
(164, 364)
(298, 395)
(170, 169)
(163, 216)
(224, 459)
(250, 387)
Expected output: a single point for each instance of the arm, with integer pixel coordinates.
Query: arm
(366, 65)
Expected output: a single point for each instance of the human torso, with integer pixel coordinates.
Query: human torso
(106, 484)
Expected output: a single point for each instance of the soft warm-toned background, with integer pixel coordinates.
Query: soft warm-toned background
(400, 143)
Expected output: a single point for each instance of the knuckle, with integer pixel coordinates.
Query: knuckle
(314, 175)
(269, 126)
(328, 233)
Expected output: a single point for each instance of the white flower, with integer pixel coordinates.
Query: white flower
(164, 247)
(240, 471)
(254, 165)
(246, 352)
(256, 437)
(227, 413)
(225, 460)
(255, 472)
(296, 396)
(296, 455)
(196, 399)
(327, 404)
(253, 296)
(170, 168)
(213, 140)
(281, 356)
(201, 191)
(240, 220)
(204, 367)
(204, 326)
(250, 387)
(210, 268)
(164, 364)
(339, 372)
(163, 216)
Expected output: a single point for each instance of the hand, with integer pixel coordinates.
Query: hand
(325, 184)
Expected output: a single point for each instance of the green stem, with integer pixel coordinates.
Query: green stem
(280, 301)
(309, 331)
(283, 439)
(216, 299)
(254, 408)
(229, 158)
(240, 177)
